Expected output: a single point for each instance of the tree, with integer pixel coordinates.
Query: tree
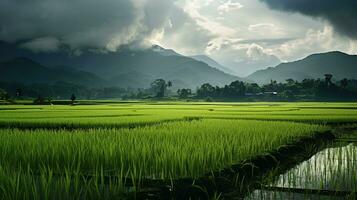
(18, 92)
(49, 100)
(159, 86)
(39, 100)
(287, 95)
(271, 87)
(184, 93)
(73, 98)
(307, 84)
(169, 84)
(291, 85)
(252, 88)
(328, 78)
(3, 94)
(290, 81)
(344, 83)
(206, 90)
(308, 89)
(237, 89)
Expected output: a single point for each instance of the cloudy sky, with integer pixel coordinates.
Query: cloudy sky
(244, 35)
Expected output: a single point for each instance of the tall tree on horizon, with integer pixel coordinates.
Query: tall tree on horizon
(328, 79)
(159, 86)
(73, 98)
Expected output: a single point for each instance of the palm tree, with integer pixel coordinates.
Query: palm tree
(344, 83)
(328, 78)
(73, 98)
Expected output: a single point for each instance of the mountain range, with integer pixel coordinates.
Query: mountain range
(213, 63)
(25, 70)
(339, 64)
(135, 68)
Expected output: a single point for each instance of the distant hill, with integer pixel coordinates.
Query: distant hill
(25, 70)
(164, 52)
(131, 68)
(213, 63)
(339, 64)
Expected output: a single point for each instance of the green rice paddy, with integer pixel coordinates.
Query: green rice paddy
(47, 151)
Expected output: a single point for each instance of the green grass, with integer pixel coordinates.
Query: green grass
(132, 114)
(170, 151)
(23, 184)
(46, 150)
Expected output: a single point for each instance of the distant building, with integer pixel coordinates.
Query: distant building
(261, 94)
(271, 93)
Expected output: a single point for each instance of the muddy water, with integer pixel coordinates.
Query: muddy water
(329, 174)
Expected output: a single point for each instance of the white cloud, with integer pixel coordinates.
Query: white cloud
(229, 6)
(258, 27)
(192, 7)
(314, 41)
(255, 52)
(208, 2)
(353, 47)
(245, 40)
(252, 38)
(183, 34)
(221, 43)
(243, 58)
(46, 44)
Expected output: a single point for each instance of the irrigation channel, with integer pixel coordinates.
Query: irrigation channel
(329, 174)
(322, 167)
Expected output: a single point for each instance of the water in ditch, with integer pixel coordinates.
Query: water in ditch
(329, 174)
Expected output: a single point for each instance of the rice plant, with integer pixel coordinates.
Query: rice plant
(68, 152)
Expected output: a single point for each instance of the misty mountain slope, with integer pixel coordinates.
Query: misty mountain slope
(165, 52)
(213, 63)
(24, 70)
(339, 64)
(127, 80)
(150, 64)
(132, 68)
(183, 71)
(199, 75)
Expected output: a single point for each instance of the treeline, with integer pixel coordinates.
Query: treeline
(58, 90)
(291, 90)
(307, 90)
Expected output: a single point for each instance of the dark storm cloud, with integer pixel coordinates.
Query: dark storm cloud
(342, 14)
(80, 23)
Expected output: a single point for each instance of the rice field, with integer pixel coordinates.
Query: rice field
(48, 152)
(331, 172)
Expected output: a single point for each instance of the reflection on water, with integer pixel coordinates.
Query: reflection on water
(332, 169)
(271, 195)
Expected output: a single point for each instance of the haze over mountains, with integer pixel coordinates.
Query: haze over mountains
(136, 68)
(124, 68)
(213, 63)
(25, 70)
(339, 64)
